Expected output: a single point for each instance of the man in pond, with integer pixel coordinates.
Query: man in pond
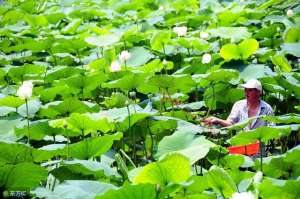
(252, 106)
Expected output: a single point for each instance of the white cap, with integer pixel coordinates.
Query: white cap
(252, 83)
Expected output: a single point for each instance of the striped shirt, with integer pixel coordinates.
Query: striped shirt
(239, 113)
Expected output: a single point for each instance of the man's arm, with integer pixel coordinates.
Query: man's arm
(214, 120)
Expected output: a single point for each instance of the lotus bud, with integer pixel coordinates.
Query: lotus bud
(180, 31)
(206, 58)
(204, 35)
(289, 13)
(65, 124)
(258, 177)
(161, 8)
(243, 195)
(164, 62)
(25, 90)
(132, 94)
(157, 188)
(124, 55)
(115, 66)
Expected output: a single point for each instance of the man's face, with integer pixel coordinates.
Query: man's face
(252, 94)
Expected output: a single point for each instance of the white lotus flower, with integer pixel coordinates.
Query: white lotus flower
(204, 35)
(289, 13)
(115, 66)
(180, 31)
(258, 177)
(25, 90)
(206, 58)
(124, 55)
(161, 8)
(164, 62)
(243, 195)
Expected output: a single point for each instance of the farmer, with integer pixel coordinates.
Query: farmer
(252, 106)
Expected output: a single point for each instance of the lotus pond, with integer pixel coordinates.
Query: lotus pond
(104, 98)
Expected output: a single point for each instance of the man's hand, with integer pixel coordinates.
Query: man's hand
(211, 120)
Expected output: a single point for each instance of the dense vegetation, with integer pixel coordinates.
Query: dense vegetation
(104, 98)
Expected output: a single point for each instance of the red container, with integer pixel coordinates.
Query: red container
(250, 149)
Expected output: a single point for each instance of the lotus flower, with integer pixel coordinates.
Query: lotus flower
(206, 58)
(115, 66)
(243, 195)
(204, 35)
(164, 62)
(124, 55)
(258, 177)
(289, 13)
(180, 31)
(25, 90)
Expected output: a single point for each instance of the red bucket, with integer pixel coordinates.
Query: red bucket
(250, 149)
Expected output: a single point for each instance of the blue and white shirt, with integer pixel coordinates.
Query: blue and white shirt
(239, 113)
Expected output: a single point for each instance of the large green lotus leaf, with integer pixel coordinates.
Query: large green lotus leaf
(289, 82)
(233, 161)
(5, 110)
(254, 71)
(83, 169)
(283, 119)
(134, 118)
(36, 20)
(7, 128)
(279, 19)
(60, 72)
(292, 156)
(139, 56)
(11, 101)
(18, 153)
(292, 35)
(37, 45)
(66, 107)
(71, 45)
(291, 48)
(284, 189)
(76, 189)
(277, 167)
(84, 83)
(49, 94)
(33, 107)
(241, 51)
(93, 146)
(159, 126)
(182, 125)
(38, 130)
(263, 133)
(248, 47)
(237, 33)
(131, 191)
(230, 51)
(174, 168)
(23, 176)
(186, 143)
(116, 100)
(242, 179)
(198, 185)
(222, 75)
(267, 32)
(282, 63)
(71, 27)
(160, 39)
(168, 83)
(102, 40)
(220, 181)
(84, 124)
(127, 82)
(27, 71)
